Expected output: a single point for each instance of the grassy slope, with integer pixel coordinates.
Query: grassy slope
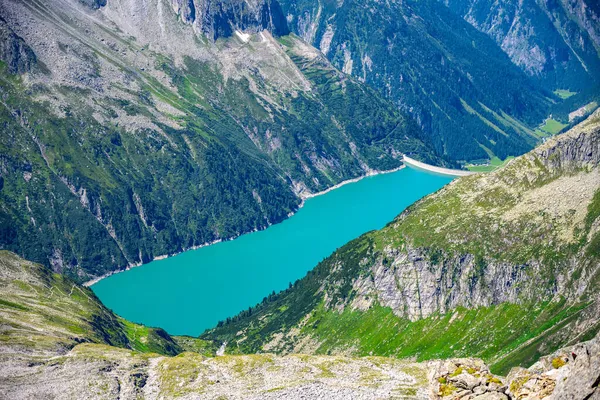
(564, 93)
(493, 165)
(44, 312)
(460, 219)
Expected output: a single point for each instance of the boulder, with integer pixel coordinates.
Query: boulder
(465, 381)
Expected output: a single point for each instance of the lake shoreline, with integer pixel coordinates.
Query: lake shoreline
(303, 197)
(369, 173)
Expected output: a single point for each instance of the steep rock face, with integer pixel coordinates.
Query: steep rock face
(460, 272)
(220, 18)
(14, 51)
(415, 288)
(409, 50)
(554, 41)
(579, 150)
(94, 4)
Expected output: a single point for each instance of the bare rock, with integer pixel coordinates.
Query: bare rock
(14, 51)
(491, 396)
(464, 381)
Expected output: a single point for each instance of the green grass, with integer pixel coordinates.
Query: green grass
(49, 311)
(493, 165)
(550, 127)
(492, 333)
(564, 93)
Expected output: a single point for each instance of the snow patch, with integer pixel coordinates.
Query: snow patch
(244, 37)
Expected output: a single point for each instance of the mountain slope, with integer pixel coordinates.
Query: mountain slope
(43, 313)
(557, 42)
(503, 266)
(58, 341)
(129, 133)
(464, 91)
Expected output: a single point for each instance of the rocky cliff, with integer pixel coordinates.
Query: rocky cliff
(17, 55)
(493, 265)
(218, 18)
(58, 341)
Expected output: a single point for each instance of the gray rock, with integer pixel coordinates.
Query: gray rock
(217, 18)
(14, 51)
(491, 396)
(95, 4)
(480, 389)
(464, 381)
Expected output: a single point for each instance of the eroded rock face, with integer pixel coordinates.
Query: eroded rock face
(14, 51)
(95, 4)
(573, 152)
(220, 18)
(415, 288)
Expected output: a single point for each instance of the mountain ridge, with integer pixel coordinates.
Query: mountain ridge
(409, 50)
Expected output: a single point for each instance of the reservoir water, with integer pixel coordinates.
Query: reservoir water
(192, 291)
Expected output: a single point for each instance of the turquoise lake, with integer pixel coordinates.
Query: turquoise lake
(192, 291)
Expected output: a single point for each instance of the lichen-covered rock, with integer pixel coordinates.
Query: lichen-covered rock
(466, 379)
(569, 373)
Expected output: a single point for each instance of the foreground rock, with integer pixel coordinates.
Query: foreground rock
(105, 372)
(570, 373)
(98, 371)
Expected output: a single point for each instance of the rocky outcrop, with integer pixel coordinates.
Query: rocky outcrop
(574, 372)
(569, 373)
(18, 56)
(415, 287)
(574, 150)
(220, 18)
(417, 281)
(466, 379)
(94, 4)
